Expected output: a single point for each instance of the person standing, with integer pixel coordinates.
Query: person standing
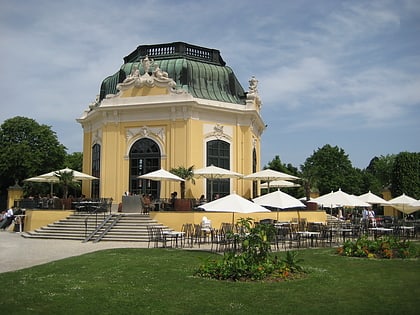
(372, 219)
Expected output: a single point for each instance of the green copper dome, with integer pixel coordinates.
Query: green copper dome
(198, 70)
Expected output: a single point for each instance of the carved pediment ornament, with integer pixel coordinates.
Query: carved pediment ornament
(152, 132)
(218, 133)
(158, 78)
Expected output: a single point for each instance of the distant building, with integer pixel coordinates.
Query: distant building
(171, 105)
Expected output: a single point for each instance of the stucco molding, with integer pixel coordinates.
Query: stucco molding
(151, 132)
(158, 78)
(218, 132)
(96, 137)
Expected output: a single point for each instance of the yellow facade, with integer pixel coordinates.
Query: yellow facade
(180, 125)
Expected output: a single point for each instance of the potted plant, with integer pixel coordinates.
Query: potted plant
(186, 174)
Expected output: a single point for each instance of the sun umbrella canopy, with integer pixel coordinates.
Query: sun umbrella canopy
(279, 184)
(405, 204)
(339, 199)
(214, 172)
(161, 175)
(372, 199)
(270, 175)
(38, 179)
(279, 199)
(52, 176)
(233, 203)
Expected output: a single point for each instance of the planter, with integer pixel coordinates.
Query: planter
(182, 205)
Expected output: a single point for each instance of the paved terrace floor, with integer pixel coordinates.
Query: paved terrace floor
(17, 252)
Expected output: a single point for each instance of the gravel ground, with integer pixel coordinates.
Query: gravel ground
(17, 252)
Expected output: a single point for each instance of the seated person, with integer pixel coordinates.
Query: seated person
(202, 200)
(7, 219)
(173, 198)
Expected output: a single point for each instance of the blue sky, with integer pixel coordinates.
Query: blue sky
(345, 73)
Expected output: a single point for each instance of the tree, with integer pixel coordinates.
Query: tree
(381, 169)
(406, 175)
(74, 161)
(329, 168)
(277, 165)
(27, 149)
(186, 174)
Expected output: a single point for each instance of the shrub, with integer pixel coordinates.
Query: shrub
(253, 261)
(384, 247)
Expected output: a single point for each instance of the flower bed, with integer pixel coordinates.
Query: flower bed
(386, 247)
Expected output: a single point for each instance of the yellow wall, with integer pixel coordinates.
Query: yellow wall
(38, 218)
(177, 219)
(13, 193)
(184, 146)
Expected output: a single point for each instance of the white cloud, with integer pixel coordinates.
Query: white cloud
(333, 65)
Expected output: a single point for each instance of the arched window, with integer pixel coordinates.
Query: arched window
(96, 169)
(144, 158)
(218, 154)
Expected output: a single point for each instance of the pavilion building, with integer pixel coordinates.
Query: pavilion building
(171, 105)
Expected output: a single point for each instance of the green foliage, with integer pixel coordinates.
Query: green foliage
(277, 165)
(380, 168)
(253, 261)
(112, 282)
(383, 247)
(406, 175)
(186, 174)
(74, 161)
(330, 169)
(27, 149)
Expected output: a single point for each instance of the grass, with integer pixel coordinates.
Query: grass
(161, 281)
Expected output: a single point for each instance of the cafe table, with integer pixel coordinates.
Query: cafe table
(174, 235)
(310, 235)
(380, 230)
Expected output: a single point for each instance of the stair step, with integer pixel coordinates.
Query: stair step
(129, 228)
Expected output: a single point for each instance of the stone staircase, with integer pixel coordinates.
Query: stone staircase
(109, 227)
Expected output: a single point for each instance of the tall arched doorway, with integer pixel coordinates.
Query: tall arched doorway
(144, 157)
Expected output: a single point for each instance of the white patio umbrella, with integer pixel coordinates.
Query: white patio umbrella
(44, 180)
(405, 204)
(161, 174)
(54, 177)
(76, 175)
(339, 198)
(372, 199)
(233, 203)
(279, 184)
(213, 172)
(280, 200)
(269, 175)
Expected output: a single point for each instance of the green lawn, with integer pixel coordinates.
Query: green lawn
(161, 281)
